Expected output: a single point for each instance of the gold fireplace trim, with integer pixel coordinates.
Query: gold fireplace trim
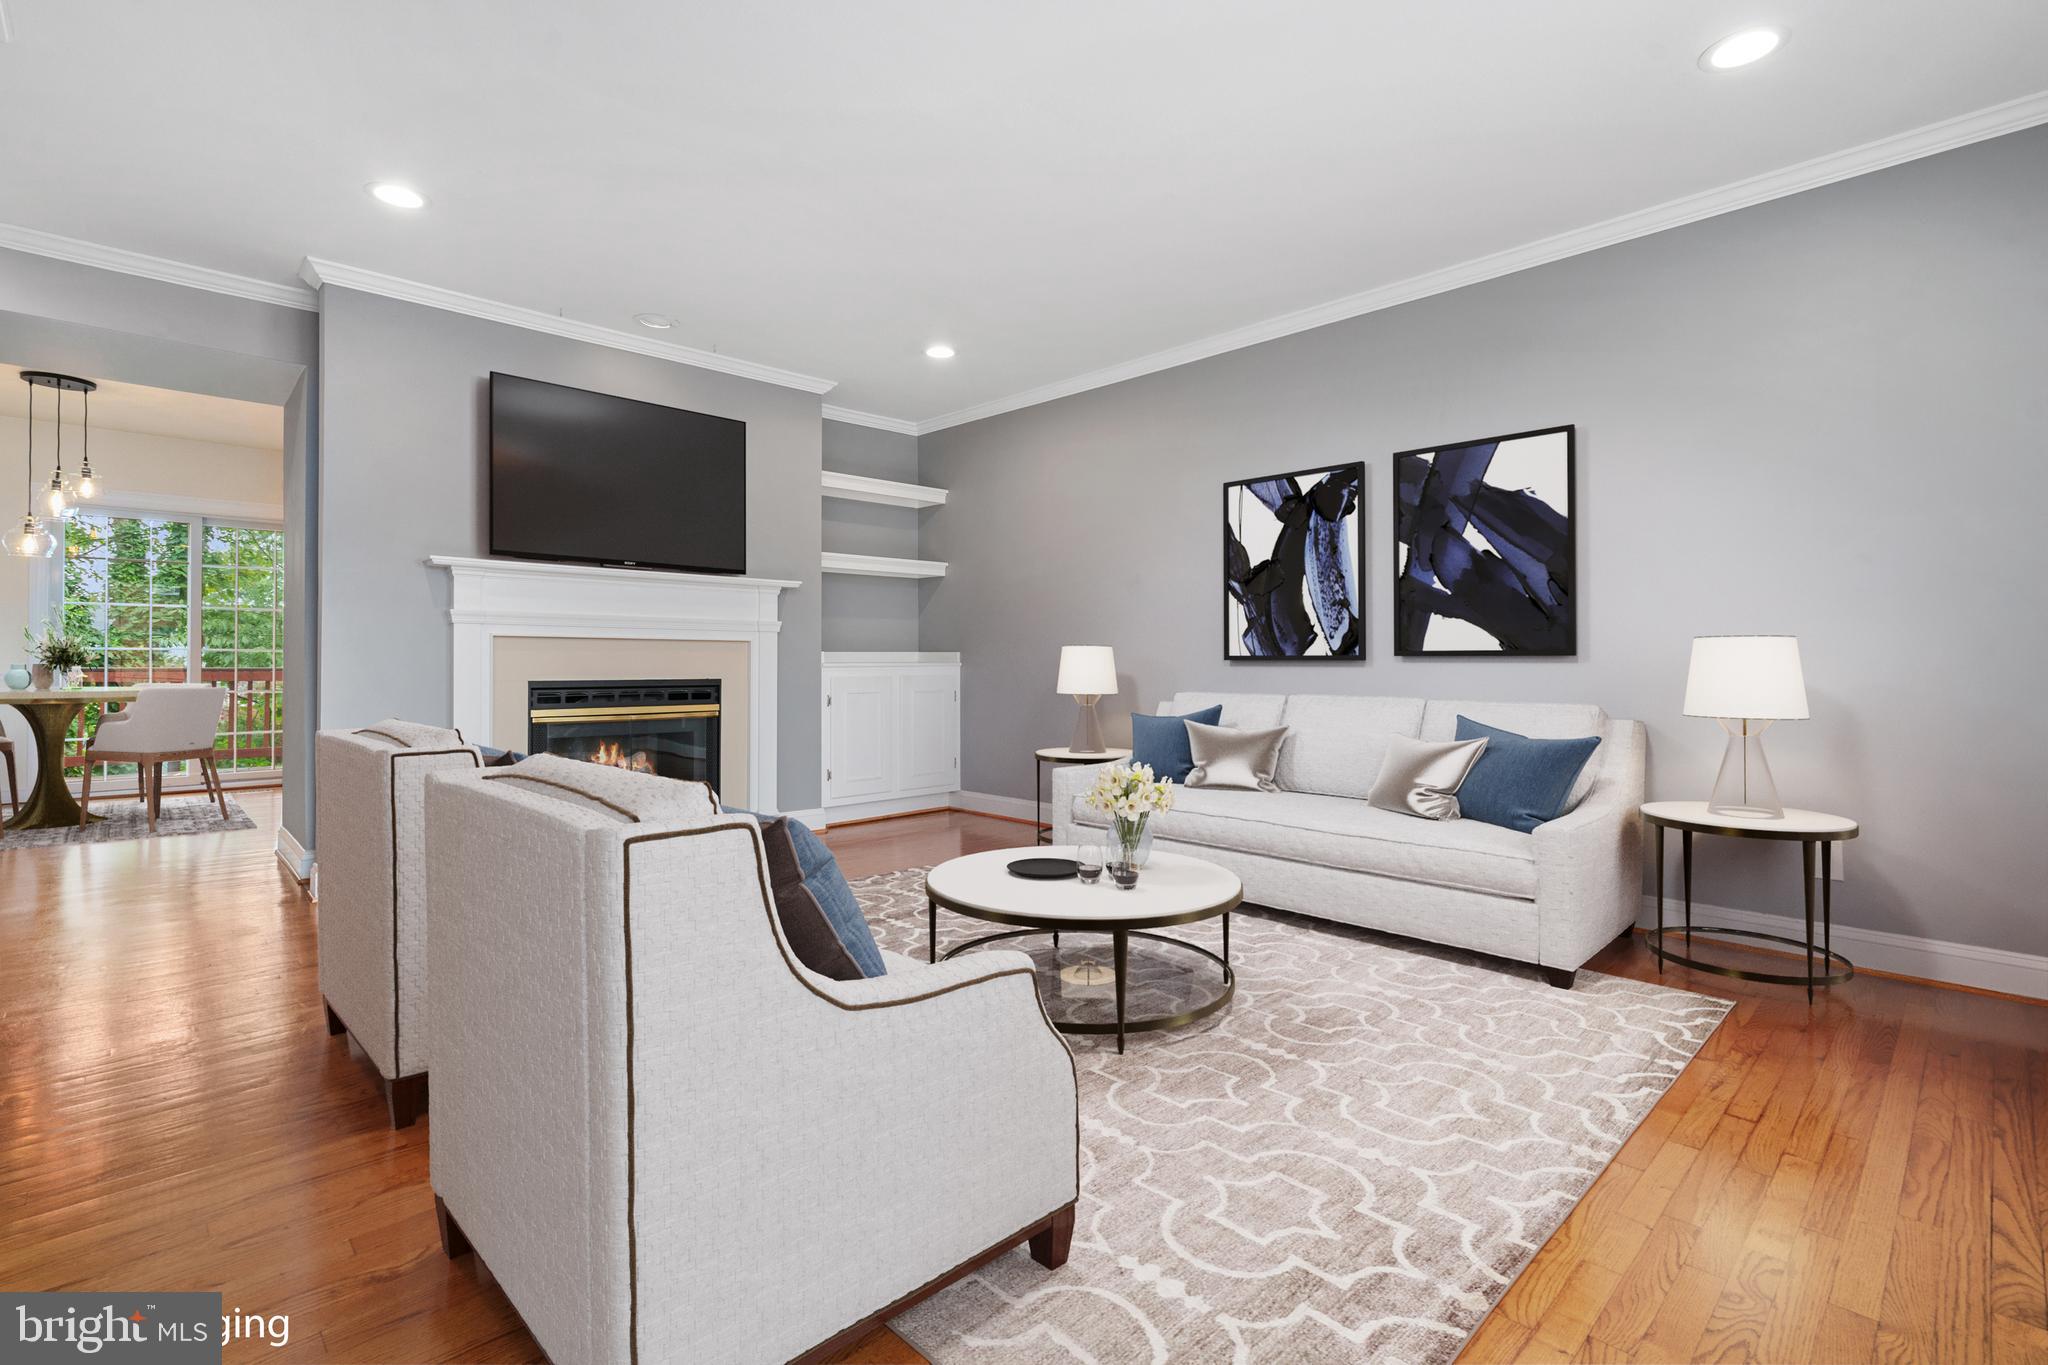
(568, 714)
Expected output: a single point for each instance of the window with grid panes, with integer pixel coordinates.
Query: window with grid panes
(182, 599)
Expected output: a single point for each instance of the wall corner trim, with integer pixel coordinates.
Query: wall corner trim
(297, 859)
(319, 273)
(126, 262)
(902, 426)
(1996, 121)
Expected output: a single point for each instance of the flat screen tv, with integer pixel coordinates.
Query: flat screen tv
(585, 476)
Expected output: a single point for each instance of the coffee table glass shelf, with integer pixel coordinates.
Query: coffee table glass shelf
(1166, 979)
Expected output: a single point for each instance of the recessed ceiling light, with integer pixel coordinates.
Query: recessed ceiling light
(939, 350)
(660, 322)
(397, 195)
(1740, 49)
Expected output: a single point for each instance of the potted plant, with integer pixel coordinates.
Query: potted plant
(1129, 795)
(57, 656)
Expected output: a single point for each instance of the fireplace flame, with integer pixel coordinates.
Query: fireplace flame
(613, 755)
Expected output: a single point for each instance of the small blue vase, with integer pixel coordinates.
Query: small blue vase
(17, 677)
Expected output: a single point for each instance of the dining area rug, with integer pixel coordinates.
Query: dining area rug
(1352, 1161)
(126, 819)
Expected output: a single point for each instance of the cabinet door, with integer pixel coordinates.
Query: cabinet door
(929, 734)
(860, 738)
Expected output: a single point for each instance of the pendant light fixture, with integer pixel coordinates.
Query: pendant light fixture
(31, 541)
(87, 488)
(54, 500)
(57, 498)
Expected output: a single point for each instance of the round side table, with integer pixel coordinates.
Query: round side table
(1056, 757)
(1812, 829)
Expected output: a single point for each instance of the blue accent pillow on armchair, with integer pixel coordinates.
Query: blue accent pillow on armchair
(1162, 741)
(1520, 782)
(827, 884)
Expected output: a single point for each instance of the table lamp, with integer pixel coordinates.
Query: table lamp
(1087, 672)
(1746, 682)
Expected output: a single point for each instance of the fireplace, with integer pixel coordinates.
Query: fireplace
(668, 728)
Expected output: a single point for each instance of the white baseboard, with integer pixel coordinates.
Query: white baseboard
(297, 861)
(985, 803)
(875, 810)
(1932, 959)
(815, 819)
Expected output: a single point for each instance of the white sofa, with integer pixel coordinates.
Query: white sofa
(1552, 898)
(668, 1140)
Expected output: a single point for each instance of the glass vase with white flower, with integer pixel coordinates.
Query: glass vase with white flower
(1130, 795)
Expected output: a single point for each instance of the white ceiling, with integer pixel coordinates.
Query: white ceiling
(152, 412)
(1054, 187)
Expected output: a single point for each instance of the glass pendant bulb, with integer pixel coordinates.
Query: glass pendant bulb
(88, 487)
(31, 541)
(55, 498)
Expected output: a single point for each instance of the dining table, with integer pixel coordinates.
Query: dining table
(51, 712)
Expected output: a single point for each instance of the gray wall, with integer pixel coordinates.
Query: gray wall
(61, 315)
(403, 475)
(870, 613)
(1822, 415)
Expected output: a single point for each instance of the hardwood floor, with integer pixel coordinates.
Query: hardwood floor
(1865, 1181)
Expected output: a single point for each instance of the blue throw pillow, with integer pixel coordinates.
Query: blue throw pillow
(823, 879)
(1520, 782)
(1162, 741)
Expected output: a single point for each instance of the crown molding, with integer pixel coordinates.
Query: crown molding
(902, 426)
(1996, 121)
(319, 273)
(95, 254)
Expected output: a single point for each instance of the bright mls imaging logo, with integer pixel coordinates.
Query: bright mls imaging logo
(163, 1329)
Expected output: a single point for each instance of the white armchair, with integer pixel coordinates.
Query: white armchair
(166, 723)
(368, 795)
(668, 1139)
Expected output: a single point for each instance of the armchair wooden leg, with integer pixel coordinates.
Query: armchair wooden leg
(454, 1240)
(156, 793)
(406, 1097)
(1049, 1247)
(334, 1024)
(84, 791)
(1560, 977)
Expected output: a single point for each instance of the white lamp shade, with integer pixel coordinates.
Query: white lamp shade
(1087, 671)
(1747, 677)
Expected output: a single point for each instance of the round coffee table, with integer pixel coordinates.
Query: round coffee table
(1173, 889)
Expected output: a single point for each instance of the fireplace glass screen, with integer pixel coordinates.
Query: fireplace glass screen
(667, 728)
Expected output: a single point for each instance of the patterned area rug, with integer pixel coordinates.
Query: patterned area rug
(127, 820)
(1351, 1162)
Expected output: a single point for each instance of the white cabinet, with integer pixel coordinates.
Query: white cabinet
(891, 726)
(928, 729)
(860, 722)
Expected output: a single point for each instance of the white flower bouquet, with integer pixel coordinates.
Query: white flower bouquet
(1129, 794)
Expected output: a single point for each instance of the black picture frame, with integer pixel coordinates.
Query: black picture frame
(1353, 641)
(1546, 634)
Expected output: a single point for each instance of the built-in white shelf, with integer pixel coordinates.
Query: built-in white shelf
(860, 488)
(882, 566)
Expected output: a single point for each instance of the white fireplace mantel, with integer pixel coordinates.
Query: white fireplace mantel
(493, 597)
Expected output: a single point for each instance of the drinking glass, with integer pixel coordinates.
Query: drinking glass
(1088, 860)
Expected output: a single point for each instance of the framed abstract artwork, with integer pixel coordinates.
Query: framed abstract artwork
(1485, 555)
(1291, 566)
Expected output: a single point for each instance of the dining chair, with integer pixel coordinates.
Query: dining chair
(165, 723)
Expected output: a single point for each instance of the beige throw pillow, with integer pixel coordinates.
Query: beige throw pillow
(1243, 760)
(1422, 777)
